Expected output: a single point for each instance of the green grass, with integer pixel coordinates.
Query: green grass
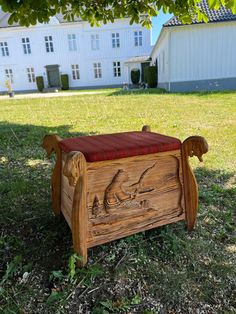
(166, 270)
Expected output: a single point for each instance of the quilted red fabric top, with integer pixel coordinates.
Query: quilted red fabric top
(120, 145)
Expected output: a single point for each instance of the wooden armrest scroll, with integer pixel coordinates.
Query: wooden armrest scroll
(76, 172)
(51, 145)
(192, 146)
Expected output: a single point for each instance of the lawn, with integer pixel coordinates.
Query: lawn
(166, 270)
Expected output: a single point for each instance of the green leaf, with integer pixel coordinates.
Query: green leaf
(28, 12)
(56, 274)
(136, 300)
(72, 265)
(12, 268)
(54, 296)
(234, 7)
(108, 305)
(212, 3)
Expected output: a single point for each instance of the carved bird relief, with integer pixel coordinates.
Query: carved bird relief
(140, 186)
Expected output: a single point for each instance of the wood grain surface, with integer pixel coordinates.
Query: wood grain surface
(107, 200)
(76, 171)
(133, 194)
(51, 145)
(192, 146)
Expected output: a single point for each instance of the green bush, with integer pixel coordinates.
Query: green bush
(135, 76)
(150, 76)
(145, 74)
(40, 83)
(64, 81)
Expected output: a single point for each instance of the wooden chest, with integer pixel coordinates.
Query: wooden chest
(104, 200)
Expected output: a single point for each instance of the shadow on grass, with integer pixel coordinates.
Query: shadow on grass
(27, 134)
(149, 91)
(160, 91)
(204, 93)
(187, 268)
(25, 207)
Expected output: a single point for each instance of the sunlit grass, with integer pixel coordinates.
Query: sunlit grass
(166, 270)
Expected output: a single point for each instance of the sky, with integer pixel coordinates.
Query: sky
(157, 23)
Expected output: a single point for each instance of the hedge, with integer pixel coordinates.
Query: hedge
(150, 76)
(40, 83)
(64, 81)
(135, 76)
(145, 76)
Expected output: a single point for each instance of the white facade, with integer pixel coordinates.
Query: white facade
(197, 57)
(91, 56)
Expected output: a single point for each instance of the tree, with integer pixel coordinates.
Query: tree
(29, 12)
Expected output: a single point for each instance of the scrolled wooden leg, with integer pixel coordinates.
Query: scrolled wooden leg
(192, 146)
(76, 172)
(51, 145)
(146, 128)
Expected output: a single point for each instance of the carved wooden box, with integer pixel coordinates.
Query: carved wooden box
(110, 199)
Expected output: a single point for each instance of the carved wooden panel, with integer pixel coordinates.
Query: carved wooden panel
(67, 194)
(134, 194)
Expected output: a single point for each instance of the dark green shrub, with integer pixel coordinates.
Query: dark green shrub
(40, 83)
(151, 76)
(64, 81)
(145, 76)
(135, 76)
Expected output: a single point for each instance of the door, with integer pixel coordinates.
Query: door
(53, 75)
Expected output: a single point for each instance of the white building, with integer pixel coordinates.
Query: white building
(91, 56)
(197, 56)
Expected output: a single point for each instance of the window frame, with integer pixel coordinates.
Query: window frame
(97, 68)
(49, 43)
(116, 69)
(4, 48)
(72, 42)
(31, 75)
(26, 45)
(75, 72)
(115, 40)
(138, 38)
(95, 42)
(9, 75)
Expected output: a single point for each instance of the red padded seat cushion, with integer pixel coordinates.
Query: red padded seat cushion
(120, 145)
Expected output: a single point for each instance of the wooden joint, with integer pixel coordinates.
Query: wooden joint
(146, 128)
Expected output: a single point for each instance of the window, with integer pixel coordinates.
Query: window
(138, 38)
(4, 49)
(116, 68)
(26, 45)
(9, 75)
(72, 42)
(75, 71)
(48, 43)
(95, 42)
(30, 74)
(115, 40)
(97, 70)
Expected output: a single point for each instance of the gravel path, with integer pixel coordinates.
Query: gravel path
(51, 95)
